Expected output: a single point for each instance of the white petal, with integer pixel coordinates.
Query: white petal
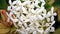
(48, 14)
(24, 10)
(40, 31)
(27, 28)
(33, 11)
(19, 3)
(42, 0)
(47, 30)
(24, 3)
(48, 19)
(15, 20)
(14, 2)
(18, 8)
(10, 2)
(27, 20)
(25, 24)
(47, 24)
(52, 18)
(43, 3)
(9, 8)
(39, 10)
(52, 9)
(55, 14)
(37, 24)
(34, 32)
(52, 23)
(52, 29)
(40, 17)
(44, 15)
(19, 23)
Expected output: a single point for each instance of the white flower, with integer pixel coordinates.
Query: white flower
(29, 12)
(52, 29)
(52, 11)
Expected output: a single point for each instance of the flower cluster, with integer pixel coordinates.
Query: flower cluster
(30, 18)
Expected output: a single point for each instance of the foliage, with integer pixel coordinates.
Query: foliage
(57, 3)
(57, 31)
(49, 4)
(3, 4)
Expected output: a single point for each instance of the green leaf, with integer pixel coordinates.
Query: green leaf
(57, 3)
(3, 4)
(57, 31)
(49, 4)
(47, 7)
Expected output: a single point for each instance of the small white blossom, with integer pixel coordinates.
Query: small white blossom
(52, 29)
(31, 17)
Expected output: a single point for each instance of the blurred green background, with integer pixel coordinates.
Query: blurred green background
(49, 3)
